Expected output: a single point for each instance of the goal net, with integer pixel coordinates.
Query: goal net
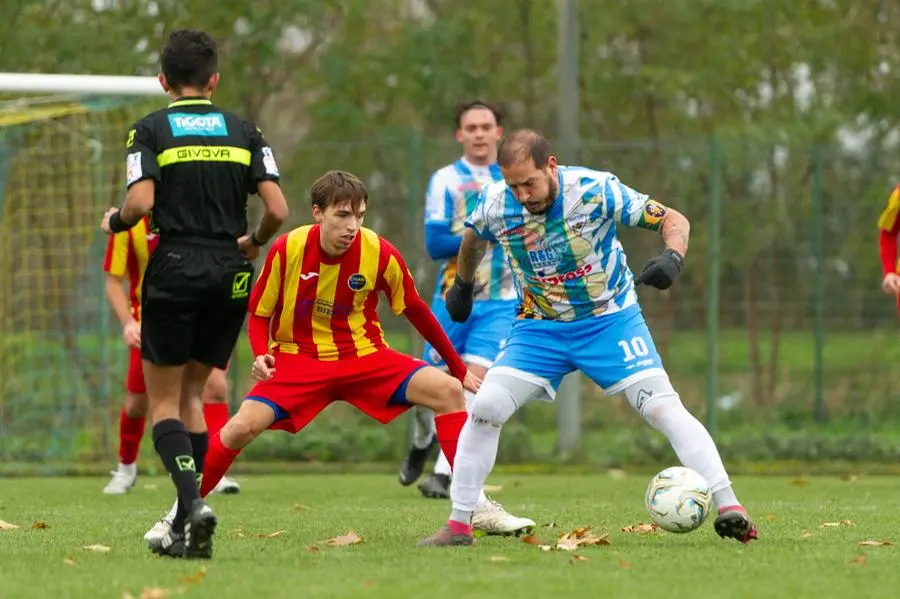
(61, 357)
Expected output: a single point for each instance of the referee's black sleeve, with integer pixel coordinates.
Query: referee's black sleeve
(262, 160)
(140, 159)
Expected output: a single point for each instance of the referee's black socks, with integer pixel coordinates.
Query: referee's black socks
(173, 444)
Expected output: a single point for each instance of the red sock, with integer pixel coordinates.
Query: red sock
(218, 460)
(216, 415)
(448, 427)
(131, 430)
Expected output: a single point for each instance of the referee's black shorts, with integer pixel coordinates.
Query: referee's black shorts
(194, 300)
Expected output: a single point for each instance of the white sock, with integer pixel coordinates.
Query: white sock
(475, 456)
(442, 466)
(725, 497)
(694, 447)
(423, 427)
(129, 469)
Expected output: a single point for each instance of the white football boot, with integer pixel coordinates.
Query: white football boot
(122, 480)
(491, 519)
(164, 526)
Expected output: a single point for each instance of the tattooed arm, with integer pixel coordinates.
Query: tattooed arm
(675, 230)
(471, 251)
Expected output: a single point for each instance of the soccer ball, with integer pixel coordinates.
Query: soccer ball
(678, 499)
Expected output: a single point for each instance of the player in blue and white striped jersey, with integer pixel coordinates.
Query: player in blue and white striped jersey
(578, 310)
(453, 192)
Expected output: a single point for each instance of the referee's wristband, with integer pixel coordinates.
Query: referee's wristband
(256, 240)
(117, 225)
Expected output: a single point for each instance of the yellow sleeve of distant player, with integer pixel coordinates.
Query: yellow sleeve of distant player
(889, 217)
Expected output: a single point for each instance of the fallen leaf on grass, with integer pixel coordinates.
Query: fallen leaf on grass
(546, 547)
(196, 577)
(369, 584)
(39, 524)
(641, 528)
(97, 548)
(799, 482)
(69, 560)
(805, 534)
(549, 525)
(498, 558)
(860, 560)
(299, 507)
(624, 565)
(493, 488)
(850, 478)
(616, 473)
(158, 592)
(770, 517)
(531, 540)
(837, 524)
(578, 558)
(351, 538)
(270, 535)
(874, 543)
(150, 487)
(4, 525)
(312, 548)
(581, 537)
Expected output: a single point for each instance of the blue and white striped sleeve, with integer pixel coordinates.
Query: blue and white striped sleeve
(479, 219)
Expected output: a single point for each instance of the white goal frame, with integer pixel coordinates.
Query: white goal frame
(43, 83)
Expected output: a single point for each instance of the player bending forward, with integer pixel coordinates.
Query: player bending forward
(578, 310)
(317, 295)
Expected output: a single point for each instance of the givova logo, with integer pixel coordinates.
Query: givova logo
(204, 125)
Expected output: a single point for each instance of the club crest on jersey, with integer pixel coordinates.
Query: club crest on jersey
(356, 281)
(578, 222)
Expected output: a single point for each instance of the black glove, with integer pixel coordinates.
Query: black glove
(459, 300)
(661, 271)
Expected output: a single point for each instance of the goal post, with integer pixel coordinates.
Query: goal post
(62, 140)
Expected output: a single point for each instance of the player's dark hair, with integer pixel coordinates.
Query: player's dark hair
(465, 107)
(338, 186)
(521, 145)
(189, 59)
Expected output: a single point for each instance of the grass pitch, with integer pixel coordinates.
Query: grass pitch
(271, 542)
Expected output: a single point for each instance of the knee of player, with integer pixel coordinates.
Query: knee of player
(215, 390)
(238, 432)
(449, 396)
(493, 405)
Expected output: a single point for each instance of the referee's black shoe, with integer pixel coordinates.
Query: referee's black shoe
(414, 464)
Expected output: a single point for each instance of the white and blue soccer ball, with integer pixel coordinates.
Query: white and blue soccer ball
(678, 499)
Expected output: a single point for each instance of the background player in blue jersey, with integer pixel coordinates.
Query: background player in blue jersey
(453, 192)
(577, 310)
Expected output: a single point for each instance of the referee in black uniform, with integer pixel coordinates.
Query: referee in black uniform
(191, 166)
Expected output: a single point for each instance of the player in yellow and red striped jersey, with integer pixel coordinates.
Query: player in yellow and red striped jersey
(127, 255)
(316, 297)
(889, 224)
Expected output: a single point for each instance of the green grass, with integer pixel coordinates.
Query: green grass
(311, 508)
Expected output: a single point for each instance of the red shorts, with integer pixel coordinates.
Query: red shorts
(134, 381)
(303, 386)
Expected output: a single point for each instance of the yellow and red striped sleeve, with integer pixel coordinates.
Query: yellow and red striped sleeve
(397, 281)
(888, 219)
(266, 294)
(117, 249)
(137, 264)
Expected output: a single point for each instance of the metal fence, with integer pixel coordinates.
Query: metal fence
(777, 322)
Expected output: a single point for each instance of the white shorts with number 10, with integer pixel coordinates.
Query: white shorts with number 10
(615, 351)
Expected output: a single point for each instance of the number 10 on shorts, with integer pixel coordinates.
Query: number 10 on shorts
(636, 348)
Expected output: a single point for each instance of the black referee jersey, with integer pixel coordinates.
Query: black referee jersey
(205, 162)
